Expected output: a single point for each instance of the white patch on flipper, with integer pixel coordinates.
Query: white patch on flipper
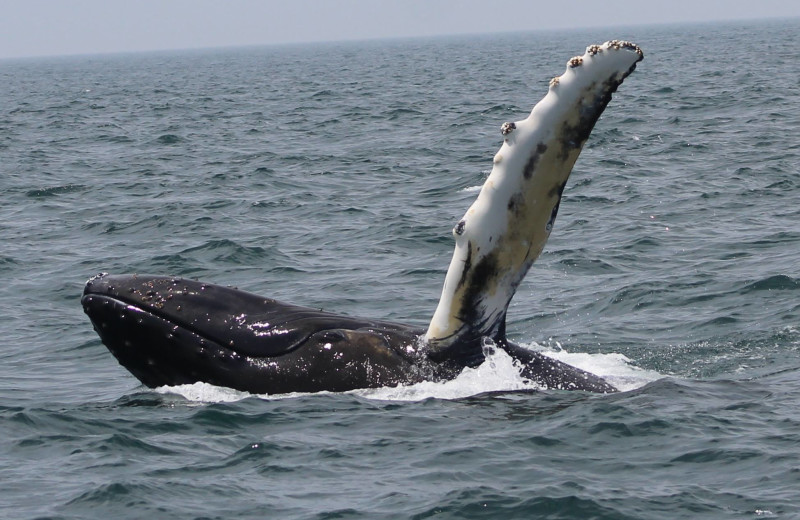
(507, 226)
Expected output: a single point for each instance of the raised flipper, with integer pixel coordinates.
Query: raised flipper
(505, 229)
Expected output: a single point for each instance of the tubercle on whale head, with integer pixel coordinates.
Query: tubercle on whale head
(505, 229)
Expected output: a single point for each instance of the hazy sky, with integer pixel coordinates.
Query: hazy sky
(54, 27)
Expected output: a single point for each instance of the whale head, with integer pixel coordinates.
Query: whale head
(173, 331)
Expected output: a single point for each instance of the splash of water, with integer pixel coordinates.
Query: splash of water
(498, 373)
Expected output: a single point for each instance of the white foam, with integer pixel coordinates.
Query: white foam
(204, 393)
(614, 368)
(497, 374)
(207, 393)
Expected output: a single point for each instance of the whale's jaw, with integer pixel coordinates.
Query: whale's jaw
(505, 229)
(155, 350)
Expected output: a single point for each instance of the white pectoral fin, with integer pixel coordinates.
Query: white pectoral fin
(506, 228)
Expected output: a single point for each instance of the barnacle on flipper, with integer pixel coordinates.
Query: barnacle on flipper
(624, 44)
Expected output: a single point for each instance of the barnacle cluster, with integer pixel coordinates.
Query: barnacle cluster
(577, 61)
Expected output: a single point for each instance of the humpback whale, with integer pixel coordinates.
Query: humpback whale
(171, 331)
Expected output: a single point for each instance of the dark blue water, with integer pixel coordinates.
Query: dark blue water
(331, 176)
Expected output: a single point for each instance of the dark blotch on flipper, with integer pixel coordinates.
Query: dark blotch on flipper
(467, 265)
(459, 229)
(557, 191)
(531, 164)
(468, 351)
(574, 136)
(485, 270)
(515, 202)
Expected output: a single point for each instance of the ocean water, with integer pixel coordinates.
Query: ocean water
(331, 176)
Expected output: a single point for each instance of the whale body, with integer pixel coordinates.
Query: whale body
(170, 331)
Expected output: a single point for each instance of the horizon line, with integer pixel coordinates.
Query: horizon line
(233, 46)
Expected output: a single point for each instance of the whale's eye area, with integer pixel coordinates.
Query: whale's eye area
(333, 336)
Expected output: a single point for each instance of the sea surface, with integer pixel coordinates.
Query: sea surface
(331, 175)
